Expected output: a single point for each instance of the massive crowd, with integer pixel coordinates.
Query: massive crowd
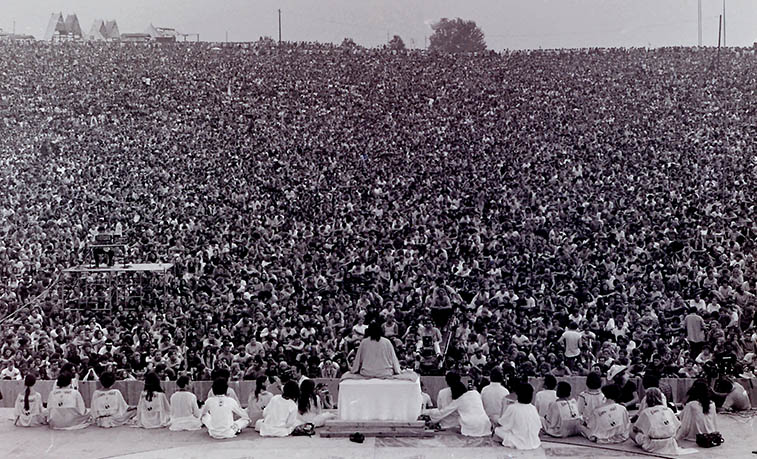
(545, 212)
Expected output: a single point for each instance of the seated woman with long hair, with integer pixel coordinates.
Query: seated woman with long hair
(375, 358)
(280, 415)
(467, 404)
(28, 411)
(258, 399)
(655, 429)
(153, 410)
(66, 405)
(698, 414)
(310, 407)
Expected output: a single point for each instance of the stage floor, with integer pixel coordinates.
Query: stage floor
(128, 442)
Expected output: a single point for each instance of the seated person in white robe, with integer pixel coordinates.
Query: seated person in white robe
(520, 424)
(153, 410)
(185, 413)
(444, 398)
(258, 399)
(376, 358)
(736, 397)
(280, 415)
(562, 418)
(66, 406)
(230, 392)
(592, 397)
(609, 422)
(493, 396)
(468, 406)
(109, 409)
(698, 415)
(219, 410)
(545, 397)
(28, 410)
(655, 429)
(310, 407)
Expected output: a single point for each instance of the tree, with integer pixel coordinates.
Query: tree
(396, 44)
(457, 36)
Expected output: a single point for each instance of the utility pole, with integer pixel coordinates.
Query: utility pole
(720, 30)
(725, 44)
(699, 30)
(14, 27)
(227, 36)
(279, 26)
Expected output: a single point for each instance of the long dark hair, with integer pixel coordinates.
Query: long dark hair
(458, 389)
(152, 385)
(291, 391)
(29, 381)
(307, 396)
(701, 393)
(374, 331)
(260, 385)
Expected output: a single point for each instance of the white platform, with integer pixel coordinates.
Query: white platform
(379, 400)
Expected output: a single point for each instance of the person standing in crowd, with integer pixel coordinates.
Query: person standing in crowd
(28, 410)
(185, 412)
(153, 410)
(218, 413)
(571, 340)
(694, 331)
(519, 425)
(66, 406)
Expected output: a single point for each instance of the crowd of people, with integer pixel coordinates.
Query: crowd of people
(543, 212)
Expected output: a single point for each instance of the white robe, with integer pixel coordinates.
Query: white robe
(473, 419)
(694, 421)
(562, 419)
(229, 393)
(67, 410)
(155, 413)
(493, 397)
(185, 414)
(32, 417)
(314, 415)
(109, 409)
(608, 423)
(443, 399)
(543, 399)
(218, 416)
(588, 400)
(519, 426)
(655, 431)
(279, 418)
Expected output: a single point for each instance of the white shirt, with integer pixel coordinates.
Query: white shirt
(279, 417)
(221, 410)
(543, 399)
(519, 427)
(493, 397)
(185, 414)
(473, 419)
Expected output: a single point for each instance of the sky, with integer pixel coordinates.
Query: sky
(511, 24)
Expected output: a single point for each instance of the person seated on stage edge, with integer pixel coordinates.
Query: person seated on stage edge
(280, 415)
(655, 429)
(225, 374)
(185, 412)
(219, 410)
(109, 409)
(258, 399)
(609, 422)
(153, 410)
(28, 410)
(310, 406)
(376, 358)
(545, 397)
(520, 424)
(734, 394)
(494, 394)
(66, 405)
(467, 404)
(592, 397)
(698, 415)
(562, 418)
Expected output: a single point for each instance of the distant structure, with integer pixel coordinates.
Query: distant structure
(104, 31)
(135, 37)
(5, 36)
(162, 34)
(59, 29)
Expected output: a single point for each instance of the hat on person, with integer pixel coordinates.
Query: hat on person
(615, 370)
